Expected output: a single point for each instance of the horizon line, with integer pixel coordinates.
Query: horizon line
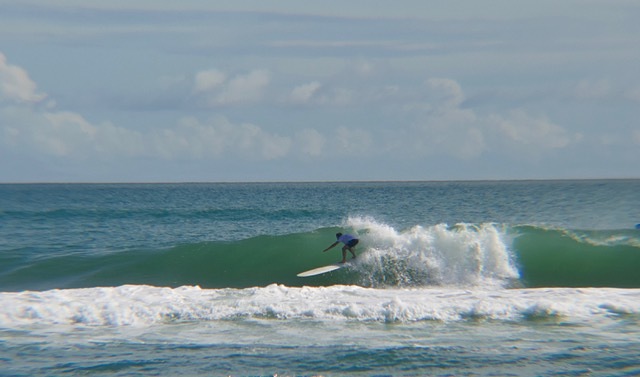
(316, 181)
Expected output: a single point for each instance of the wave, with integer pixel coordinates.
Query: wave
(461, 255)
(570, 258)
(134, 305)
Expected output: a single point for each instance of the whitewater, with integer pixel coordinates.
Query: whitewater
(146, 306)
(476, 278)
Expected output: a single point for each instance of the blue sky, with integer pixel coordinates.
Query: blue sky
(149, 91)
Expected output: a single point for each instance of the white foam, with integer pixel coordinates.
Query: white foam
(146, 305)
(462, 255)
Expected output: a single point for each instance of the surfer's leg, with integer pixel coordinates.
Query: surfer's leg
(344, 255)
(351, 246)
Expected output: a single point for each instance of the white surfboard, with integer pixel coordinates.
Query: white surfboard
(321, 270)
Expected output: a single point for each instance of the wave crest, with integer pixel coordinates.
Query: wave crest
(460, 255)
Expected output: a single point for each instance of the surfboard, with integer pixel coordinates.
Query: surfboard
(321, 270)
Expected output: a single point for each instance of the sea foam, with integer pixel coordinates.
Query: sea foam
(460, 255)
(146, 305)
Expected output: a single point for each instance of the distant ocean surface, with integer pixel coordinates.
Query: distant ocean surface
(496, 278)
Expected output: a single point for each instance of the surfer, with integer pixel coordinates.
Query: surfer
(349, 242)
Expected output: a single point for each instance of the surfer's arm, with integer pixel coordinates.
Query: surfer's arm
(333, 245)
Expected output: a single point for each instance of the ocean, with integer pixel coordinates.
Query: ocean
(479, 278)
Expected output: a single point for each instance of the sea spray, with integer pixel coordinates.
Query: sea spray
(460, 255)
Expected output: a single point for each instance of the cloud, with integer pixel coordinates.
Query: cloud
(214, 87)
(217, 137)
(411, 121)
(209, 80)
(442, 126)
(45, 131)
(317, 94)
(48, 132)
(302, 94)
(246, 88)
(69, 135)
(522, 130)
(16, 85)
(445, 92)
(445, 127)
(65, 134)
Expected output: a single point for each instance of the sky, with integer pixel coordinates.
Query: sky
(221, 91)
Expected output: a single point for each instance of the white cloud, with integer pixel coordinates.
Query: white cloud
(445, 127)
(217, 138)
(216, 89)
(64, 134)
(437, 122)
(524, 130)
(245, 88)
(45, 131)
(442, 126)
(302, 94)
(65, 131)
(324, 96)
(447, 92)
(16, 85)
(67, 134)
(209, 80)
(316, 93)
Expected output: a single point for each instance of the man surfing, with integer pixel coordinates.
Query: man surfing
(349, 242)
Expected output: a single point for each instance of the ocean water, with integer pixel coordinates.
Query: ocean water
(513, 278)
